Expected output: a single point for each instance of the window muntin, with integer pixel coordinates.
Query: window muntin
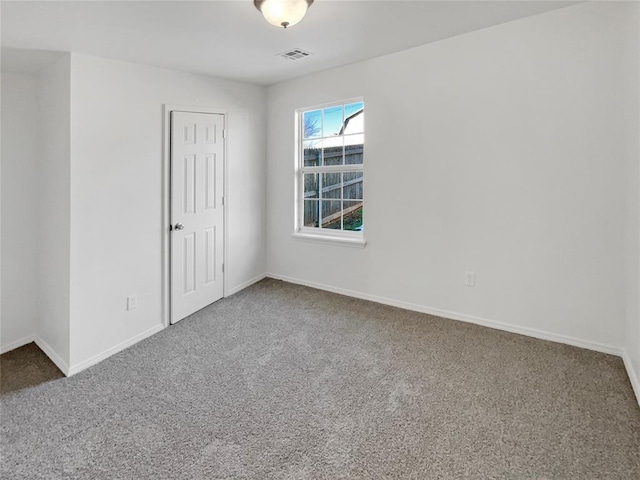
(330, 173)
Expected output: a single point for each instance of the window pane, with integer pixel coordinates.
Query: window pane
(311, 185)
(332, 151)
(311, 209)
(311, 152)
(332, 137)
(353, 216)
(332, 121)
(354, 118)
(312, 124)
(332, 214)
(354, 149)
(352, 186)
(332, 185)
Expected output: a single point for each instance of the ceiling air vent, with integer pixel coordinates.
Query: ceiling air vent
(294, 54)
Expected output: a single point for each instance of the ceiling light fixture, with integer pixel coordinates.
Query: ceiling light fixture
(283, 13)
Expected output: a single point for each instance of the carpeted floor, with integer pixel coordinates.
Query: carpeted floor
(283, 381)
(26, 367)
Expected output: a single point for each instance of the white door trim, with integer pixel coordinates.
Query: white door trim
(166, 200)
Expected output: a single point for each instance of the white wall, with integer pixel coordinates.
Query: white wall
(500, 152)
(631, 89)
(116, 194)
(20, 204)
(53, 185)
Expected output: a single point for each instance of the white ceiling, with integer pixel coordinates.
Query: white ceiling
(231, 39)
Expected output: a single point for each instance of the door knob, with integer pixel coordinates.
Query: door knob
(179, 226)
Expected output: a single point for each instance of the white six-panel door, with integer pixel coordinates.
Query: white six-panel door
(197, 211)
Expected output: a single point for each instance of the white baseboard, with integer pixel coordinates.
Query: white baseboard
(78, 367)
(246, 284)
(17, 344)
(53, 355)
(530, 332)
(633, 375)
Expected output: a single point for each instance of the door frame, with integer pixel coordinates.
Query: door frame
(166, 201)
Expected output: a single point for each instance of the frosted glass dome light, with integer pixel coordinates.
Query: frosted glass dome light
(283, 13)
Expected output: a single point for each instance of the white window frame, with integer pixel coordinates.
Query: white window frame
(316, 234)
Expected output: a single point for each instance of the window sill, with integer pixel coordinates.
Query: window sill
(330, 240)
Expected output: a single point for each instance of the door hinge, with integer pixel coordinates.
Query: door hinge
(223, 201)
(223, 268)
(224, 133)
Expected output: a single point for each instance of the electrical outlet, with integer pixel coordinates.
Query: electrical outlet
(470, 279)
(132, 301)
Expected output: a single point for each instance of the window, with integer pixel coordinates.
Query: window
(330, 175)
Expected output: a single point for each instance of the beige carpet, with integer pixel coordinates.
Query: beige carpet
(283, 381)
